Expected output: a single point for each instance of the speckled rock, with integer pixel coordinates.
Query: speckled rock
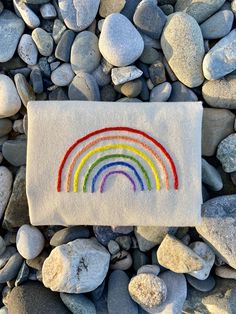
(9, 99)
(85, 55)
(218, 227)
(108, 7)
(5, 188)
(218, 25)
(183, 47)
(217, 124)
(11, 29)
(63, 75)
(147, 290)
(73, 267)
(199, 10)
(120, 48)
(220, 59)
(118, 296)
(176, 256)
(43, 41)
(221, 93)
(149, 18)
(84, 87)
(27, 50)
(226, 153)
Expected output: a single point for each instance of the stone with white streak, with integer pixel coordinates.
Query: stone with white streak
(73, 267)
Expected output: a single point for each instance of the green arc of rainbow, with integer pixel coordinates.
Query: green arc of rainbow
(98, 161)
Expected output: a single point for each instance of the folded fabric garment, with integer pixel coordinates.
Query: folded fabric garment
(123, 164)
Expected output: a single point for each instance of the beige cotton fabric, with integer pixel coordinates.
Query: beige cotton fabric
(53, 126)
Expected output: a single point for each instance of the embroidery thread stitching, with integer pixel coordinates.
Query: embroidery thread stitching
(116, 172)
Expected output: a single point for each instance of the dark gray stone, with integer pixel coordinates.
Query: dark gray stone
(14, 151)
(130, 8)
(211, 177)
(118, 296)
(16, 213)
(69, 234)
(33, 297)
(11, 268)
(104, 234)
(63, 48)
(149, 18)
(157, 73)
(37, 81)
(139, 259)
(78, 303)
(5, 126)
(201, 285)
(180, 92)
(22, 275)
(108, 93)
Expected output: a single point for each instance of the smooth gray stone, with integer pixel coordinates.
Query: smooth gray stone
(101, 305)
(43, 41)
(161, 92)
(211, 177)
(5, 126)
(101, 76)
(201, 285)
(85, 55)
(84, 87)
(48, 11)
(127, 99)
(62, 75)
(149, 18)
(221, 58)
(150, 55)
(218, 25)
(157, 73)
(113, 247)
(63, 48)
(98, 292)
(22, 275)
(118, 296)
(176, 293)
(123, 47)
(218, 227)
(36, 1)
(78, 303)
(14, 151)
(10, 270)
(69, 234)
(11, 29)
(16, 213)
(10, 250)
(226, 153)
(44, 66)
(37, 81)
(24, 89)
(167, 9)
(180, 92)
(108, 93)
(58, 94)
(199, 10)
(86, 11)
(29, 16)
(139, 259)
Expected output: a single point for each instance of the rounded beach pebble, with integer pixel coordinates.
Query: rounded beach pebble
(120, 43)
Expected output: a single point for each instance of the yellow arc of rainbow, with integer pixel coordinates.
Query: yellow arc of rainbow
(112, 146)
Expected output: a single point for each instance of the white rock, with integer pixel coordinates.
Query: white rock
(63, 75)
(76, 267)
(27, 50)
(208, 256)
(9, 99)
(5, 188)
(125, 74)
(29, 241)
(29, 17)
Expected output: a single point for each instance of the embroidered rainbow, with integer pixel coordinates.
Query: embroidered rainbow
(138, 155)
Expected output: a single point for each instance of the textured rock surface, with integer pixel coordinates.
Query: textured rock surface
(5, 188)
(218, 227)
(72, 267)
(226, 153)
(182, 44)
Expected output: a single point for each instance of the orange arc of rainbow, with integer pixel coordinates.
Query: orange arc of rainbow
(114, 137)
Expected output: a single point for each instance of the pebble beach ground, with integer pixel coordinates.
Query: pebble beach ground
(129, 51)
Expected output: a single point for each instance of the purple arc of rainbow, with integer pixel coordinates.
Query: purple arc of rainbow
(102, 186)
